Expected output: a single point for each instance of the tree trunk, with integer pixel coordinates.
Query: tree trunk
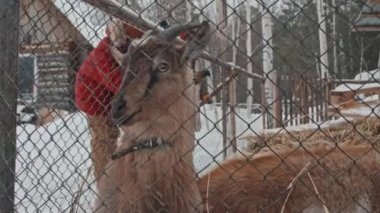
(342, 56)
(335, 37)
(361, 55)
(323, 54)
(222, 24)
(250, 60)
(269, 72)
(232, 86)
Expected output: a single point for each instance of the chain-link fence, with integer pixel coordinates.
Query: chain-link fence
(256, 106)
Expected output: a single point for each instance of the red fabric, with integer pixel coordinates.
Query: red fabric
(97, 81)
(99, 77)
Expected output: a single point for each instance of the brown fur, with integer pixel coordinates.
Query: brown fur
(104, 136)
(160, 179)
(347, 178)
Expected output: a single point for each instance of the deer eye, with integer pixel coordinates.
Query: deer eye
(163, 67)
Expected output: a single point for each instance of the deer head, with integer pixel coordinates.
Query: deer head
(156, 73)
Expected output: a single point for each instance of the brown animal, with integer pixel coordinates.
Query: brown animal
(154, 172)
(344, 179)
(155, 108)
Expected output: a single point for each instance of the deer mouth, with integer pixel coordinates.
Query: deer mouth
(127, 118)
(122, 48)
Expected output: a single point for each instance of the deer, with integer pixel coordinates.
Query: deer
(320, 178)
(155, 108)
(153, 169)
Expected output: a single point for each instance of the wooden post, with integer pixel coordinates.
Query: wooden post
(292, 101)
(305, 98)
(285, 97)
(9, 22)
(327, 98)
(277, 105)
(264, 105)
(232, 98)
(222, 24)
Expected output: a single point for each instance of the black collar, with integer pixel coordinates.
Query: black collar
(139, 145)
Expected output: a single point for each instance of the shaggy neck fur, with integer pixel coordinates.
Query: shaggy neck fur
(160, 179)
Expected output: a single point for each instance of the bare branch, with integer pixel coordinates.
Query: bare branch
(219, 87)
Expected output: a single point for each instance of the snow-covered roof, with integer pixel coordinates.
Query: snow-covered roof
(88, 20)
(369, 18)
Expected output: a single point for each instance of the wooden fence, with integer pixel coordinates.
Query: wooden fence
(301, 99)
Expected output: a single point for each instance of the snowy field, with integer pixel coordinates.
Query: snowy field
(53, 160)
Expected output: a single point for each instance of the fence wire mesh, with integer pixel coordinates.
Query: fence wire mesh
(111, 118)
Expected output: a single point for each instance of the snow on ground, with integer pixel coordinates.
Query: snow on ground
(210, 139)
(50, 162)
(53, 160)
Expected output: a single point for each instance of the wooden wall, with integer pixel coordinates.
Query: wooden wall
(42, 23)
(59, 48)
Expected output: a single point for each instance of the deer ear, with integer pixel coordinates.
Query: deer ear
(198, 39)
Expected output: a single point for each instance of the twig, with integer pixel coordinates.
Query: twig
(301, 172)
(73, 208)
(286, 200)
(292, 183)
(229, 65)
(208, 185)
(118, 10)
(219, 87)
(317, 192)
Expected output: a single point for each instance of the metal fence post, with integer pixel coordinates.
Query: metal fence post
(9, 16)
